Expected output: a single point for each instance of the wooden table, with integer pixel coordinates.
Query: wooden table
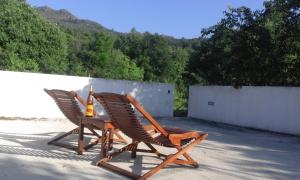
(102, 123)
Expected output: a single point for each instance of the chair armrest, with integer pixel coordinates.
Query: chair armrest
(177, 138)
(78, 98)
(150, 129)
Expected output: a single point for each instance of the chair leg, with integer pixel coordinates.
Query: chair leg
(62, 136)
(110, 140)
(94, 142)
(80, 131)
(191, 160)
(133, 151)
(128, 147)
(114, 132)
(154, 150)
(119, 170)
(103, 162)
(104, 143)
(80, 139)
(94, 132)
(119, 137)
(171, 158)
(68, 146)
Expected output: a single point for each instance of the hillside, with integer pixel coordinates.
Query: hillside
(67, 20)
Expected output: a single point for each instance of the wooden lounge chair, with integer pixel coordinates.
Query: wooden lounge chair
(119, 107)
(68, 104)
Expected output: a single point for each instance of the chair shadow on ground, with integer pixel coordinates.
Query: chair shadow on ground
(16, 146)
(36, 145)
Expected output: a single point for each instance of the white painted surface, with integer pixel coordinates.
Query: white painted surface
(22, 94)
(269, 108)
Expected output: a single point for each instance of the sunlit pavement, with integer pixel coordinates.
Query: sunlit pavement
(228, 153)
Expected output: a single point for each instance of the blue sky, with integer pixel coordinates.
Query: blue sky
(178, 18)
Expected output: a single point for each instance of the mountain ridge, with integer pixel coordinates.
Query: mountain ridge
(66, 19)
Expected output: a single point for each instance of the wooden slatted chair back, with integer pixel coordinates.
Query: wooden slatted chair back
(139, 107)
(123, 116)
(67, 103)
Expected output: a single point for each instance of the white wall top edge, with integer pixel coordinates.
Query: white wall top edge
(104, 79)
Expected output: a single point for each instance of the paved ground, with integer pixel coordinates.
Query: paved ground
(229, 153)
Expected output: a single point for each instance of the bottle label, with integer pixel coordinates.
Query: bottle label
(89, 110)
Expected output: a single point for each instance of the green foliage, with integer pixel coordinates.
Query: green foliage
(251, 48)
(180, 104)
(121, 67)
(102, 47)
(16, 64)
(28, 42)
(102, 60)
(160, 61)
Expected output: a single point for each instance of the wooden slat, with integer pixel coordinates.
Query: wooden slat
(120, 110)
(147, 115)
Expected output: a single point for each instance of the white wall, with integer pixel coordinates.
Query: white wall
(269, 108)
(22, 94)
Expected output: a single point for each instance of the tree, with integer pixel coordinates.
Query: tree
(28, 42)
(251, 47)
(102, 60)
(282, 19)
(121, 67)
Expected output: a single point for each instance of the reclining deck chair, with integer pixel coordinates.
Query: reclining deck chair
(119, 107)
(68, 104)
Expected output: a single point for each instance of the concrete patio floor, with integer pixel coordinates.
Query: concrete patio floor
(228, 153)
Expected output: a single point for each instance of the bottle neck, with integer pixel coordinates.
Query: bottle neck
(90, 98)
